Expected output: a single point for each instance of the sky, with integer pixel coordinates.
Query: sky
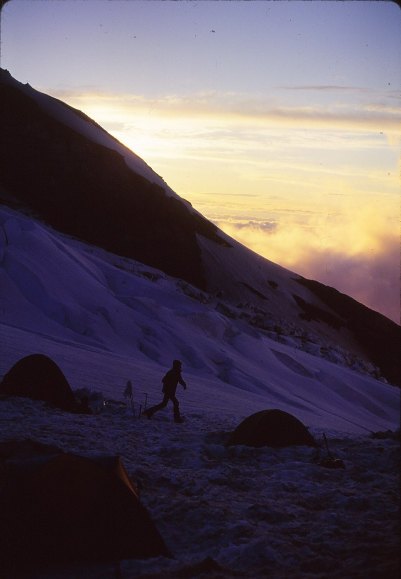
(280, 121)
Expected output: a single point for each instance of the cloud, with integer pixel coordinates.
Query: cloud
(245, 142)
(372, 279)
(358, 255)
(242, 108)
(253, 225)
(326, 88)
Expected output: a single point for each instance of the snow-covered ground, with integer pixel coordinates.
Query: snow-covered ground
(256, 513)
(252, 512)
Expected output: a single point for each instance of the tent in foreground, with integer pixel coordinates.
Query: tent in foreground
(39, 378)
(60, 508)
(274, 428)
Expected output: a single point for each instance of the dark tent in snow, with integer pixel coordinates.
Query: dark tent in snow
(59, 508)
(274, 428)
(39, 378)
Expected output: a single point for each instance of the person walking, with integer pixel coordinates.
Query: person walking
(170, 383)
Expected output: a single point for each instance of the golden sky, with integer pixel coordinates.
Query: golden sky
(279, 121)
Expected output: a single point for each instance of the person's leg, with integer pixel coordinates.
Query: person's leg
(177, 416)
(150, 411)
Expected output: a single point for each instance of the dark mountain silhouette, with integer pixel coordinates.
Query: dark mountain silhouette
(87, 190)
(65, 169)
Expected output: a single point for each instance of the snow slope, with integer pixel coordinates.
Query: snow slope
(108, 319)
(223, 512)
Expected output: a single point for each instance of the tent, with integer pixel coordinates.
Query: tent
(39, 378)
(60, 508)
(274, 428)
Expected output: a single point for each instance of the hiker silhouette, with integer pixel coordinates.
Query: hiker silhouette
(170, 382)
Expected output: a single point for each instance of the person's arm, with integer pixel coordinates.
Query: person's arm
(182, 382)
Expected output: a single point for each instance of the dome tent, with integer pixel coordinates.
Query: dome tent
(37, 377)
(274, 428)
(60, 508)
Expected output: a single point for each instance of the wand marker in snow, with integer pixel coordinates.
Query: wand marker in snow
(330, 461)
(327, 445)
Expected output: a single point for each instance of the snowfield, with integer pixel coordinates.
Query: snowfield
(240, 511)
(223, 512)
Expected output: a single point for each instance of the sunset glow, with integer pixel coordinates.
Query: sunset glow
(279, 121)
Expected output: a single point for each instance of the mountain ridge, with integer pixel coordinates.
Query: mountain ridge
(88, 189)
